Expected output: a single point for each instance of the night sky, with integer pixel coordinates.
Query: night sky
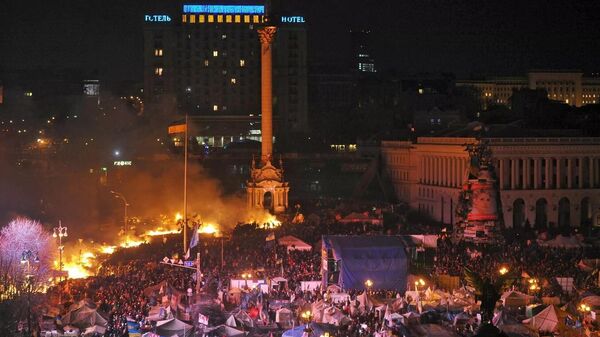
(464, 37)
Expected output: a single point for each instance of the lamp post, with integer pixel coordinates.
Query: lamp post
(26, 258)
(246, 276)
(60, 232)
(125, 204)
(503, 271)
(584, 309)
(307, 317)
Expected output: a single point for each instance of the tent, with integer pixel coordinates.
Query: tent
(378, 258)
(550, 319)
(592, 301)
(85, 317)
(318, 329)
(335, 316)
(367, 302)
(284, 317)
(172, 327)
(224, 330)
(514, 298)
(293, 243)
(561, 241)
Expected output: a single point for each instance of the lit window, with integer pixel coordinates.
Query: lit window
(228, 19)
(420, 90)
(211, 18)
(192, 18)
(219, 18)
(255, 19)
(246, 18)
(233, 81)
(223, 37)
(158, 71)
(184, 18)
(201, 18)
(242, 62)
(237, 19)
(158, 52)
(206, 63)
(215, 107)
(215, 53)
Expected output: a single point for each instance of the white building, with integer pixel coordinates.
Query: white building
(554, 181)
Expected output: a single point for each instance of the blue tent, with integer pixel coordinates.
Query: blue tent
(318, 329)
(381, 259)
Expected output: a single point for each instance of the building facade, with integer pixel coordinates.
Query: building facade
(543, 181)
(570, 87)
(206, 60)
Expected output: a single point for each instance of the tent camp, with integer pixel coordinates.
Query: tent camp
(550, 319)
(318, 329)
(171, 327)
(224, 331)
(381, 259)
(293, 243)
(335, 316)
(514, 299)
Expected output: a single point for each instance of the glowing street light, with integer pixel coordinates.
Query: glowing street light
(246, 276)
(418, 283)
(60, 232)
(503, 270)
(306, 316)
(368, 284)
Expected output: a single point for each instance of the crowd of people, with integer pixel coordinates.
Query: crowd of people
(118, 289)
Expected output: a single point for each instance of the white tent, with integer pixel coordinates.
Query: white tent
(284, 317)
(335, 316)
(561, 241)
(550, 319)
(172, 327)
(70, 330)
(293, 243)
(96, 329)
(514, 298)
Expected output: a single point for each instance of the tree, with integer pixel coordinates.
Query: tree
(19, 236)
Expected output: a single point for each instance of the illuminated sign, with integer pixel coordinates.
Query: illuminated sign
(122, 163)
(157, 18)
(292, 19)
(224, 9)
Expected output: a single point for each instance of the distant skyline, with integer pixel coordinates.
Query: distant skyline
(462, 37)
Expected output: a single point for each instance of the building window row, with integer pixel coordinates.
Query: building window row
(220, 18)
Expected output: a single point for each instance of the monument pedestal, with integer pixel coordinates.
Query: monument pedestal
(266, 188)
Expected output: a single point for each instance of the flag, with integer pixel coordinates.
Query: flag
(195, 238)
(202, 319)
(187, 254)
(270, 237)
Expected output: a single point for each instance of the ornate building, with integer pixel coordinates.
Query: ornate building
(543, 181)
(266, 188)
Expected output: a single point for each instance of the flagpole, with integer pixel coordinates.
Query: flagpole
(185, 165)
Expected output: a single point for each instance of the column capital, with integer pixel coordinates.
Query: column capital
(267, 35)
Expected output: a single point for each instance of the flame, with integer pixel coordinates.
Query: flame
(131, 242)
(87, 259)
(178, 216)
(161, 231)
(107, 249)
(208, 228)
(266, 221)
(75, 270)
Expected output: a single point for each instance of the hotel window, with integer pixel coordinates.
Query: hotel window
(233, 81)
(215, 107)
(223, 37)
(211, 18)
(201, 18)
(192, 18)
(255, 19)
(242, 62)
(238, 19)
(184, 18)
(219, 18)
(228, 19)
(158, 52)
(158, 71)
(206, 63)
(215, 53)
(246, 18)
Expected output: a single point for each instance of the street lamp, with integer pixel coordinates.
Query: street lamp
(125, 204)
(26, 258)
(418, 283)
(368, 284)
(60, 232)
(503, 271)
(246, 276)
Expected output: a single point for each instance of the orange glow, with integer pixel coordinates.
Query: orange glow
(161, 231)
(107, 249)
(208, 228)
(131, 242)
(75, 270)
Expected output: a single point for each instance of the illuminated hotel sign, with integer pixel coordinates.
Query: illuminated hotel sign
(157, 18)
(122, 163)
(224, 9)
(292, 19)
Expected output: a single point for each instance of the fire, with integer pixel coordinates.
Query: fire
(87, 259)
(161, 231)
(75, 270)
(208, 228)
(131, 242)
(107, 249)
(178, 216)
(266, 221)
